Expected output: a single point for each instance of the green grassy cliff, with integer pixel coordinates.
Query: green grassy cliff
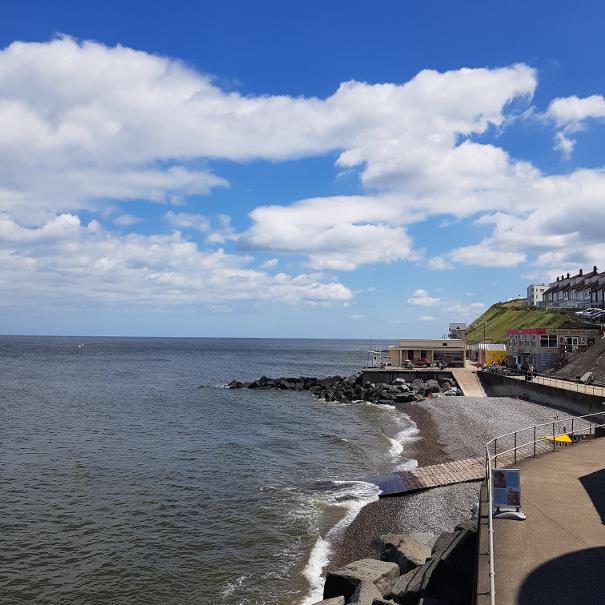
(513, 315)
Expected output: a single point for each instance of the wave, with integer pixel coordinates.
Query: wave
(353, 496)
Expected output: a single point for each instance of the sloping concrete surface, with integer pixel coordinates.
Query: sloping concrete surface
(468, 381)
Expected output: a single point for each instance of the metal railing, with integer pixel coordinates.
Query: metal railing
(569, 384)
(525, 443)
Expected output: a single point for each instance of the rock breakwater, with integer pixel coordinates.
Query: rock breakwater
(352, 388)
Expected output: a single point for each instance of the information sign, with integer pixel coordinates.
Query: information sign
(506, 484)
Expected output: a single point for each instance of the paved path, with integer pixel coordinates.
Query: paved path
(558, 554)
(468, 381)
(568, 385)
(437, 475)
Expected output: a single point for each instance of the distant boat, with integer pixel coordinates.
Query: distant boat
(80, 346)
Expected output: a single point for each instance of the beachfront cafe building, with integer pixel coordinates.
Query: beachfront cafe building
(546, 348)
(448, 351)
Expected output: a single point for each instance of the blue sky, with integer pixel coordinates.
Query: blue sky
(320, 169)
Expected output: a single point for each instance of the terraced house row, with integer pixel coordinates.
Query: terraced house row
(581, 291)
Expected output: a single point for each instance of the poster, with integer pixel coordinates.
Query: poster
(506, 484)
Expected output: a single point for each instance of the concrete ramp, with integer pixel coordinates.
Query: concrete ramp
(468, 381)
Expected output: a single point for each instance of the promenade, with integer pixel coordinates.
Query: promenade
(558, 554)
(568, 385)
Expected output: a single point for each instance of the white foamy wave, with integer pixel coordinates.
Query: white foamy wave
(353, 496)
(233, 585)
(320, 555)
(380, 406)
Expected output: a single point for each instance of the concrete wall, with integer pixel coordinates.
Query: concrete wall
(570, 401)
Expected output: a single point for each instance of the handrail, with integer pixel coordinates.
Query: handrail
(489, 458)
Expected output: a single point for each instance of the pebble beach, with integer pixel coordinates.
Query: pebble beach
(450, 428)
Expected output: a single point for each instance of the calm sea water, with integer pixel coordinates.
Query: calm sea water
(129, 475)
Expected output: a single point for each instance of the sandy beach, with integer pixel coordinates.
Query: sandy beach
(451, 428)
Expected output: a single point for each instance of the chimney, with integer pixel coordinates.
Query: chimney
(595, 269)
(568, 276)
(557, 278)
(581, 271)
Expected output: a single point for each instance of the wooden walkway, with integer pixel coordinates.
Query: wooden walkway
(438, 475)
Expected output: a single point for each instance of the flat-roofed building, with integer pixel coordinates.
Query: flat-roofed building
(535, 293)
(545, 348)
(450, 352)
(488, 353)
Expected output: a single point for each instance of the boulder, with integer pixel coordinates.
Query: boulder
(335, 601)
(365, 594)
(405, 397)
(344, 581)
(403, 550)
(433, 579)
(432, 386)
(446, 385)
(417, 384)
(425, 538)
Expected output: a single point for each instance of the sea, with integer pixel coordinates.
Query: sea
(130, 474)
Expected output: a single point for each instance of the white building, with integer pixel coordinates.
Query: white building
(535, 292)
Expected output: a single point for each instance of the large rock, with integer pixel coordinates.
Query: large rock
(365, 594)
(334, 601)
(344, 581)
(447, 576)
(432, 386)
(425, 538)
(403, 550)
(433, 579)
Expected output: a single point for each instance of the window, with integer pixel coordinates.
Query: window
(548, 341)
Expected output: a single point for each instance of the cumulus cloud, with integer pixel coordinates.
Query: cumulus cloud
(422, 298)
(84, 126)
(570, 115)
(65, 259)
(338, 233)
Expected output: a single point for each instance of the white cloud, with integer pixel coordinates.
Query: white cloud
(427, 318)
(64, 260)
(84, 126)
(186, 220)
(438, 263)
(338, 233)
(422, 298)
(126, 220)
(270, 263)
(570, 115)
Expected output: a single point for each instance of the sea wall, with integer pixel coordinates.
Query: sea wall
(496, 385)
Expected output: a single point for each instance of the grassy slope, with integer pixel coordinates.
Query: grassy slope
(513, 315)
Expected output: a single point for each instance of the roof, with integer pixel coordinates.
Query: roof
(487, 346)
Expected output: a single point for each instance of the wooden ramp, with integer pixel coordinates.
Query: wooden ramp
(448, 473)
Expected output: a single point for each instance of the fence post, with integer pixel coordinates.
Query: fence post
(572, 433)
(495, 453)
(534, 442)
(515, 450)
(554, 443)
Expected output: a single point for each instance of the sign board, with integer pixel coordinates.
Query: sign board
(506, 488)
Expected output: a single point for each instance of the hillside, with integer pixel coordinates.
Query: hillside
(512, 315)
